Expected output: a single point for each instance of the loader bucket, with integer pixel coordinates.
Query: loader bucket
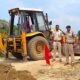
(3, 50)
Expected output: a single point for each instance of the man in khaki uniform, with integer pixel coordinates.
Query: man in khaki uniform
(69, 45)
(57, 34)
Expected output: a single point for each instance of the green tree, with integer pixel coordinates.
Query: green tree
(79, 33)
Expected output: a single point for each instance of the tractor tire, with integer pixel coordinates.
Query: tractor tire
(36, 48)
(17, 55)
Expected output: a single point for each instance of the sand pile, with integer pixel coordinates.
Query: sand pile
(7, 72)
(62, 73)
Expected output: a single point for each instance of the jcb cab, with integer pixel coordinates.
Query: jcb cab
(32, 22)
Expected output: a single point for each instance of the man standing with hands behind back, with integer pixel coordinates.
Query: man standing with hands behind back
(57, 35)
(69, 45)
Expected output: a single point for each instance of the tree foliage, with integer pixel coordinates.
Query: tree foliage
(5, 27)
(79, 33)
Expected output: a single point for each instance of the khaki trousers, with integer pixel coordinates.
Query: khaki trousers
(69, 51)
(57, 48)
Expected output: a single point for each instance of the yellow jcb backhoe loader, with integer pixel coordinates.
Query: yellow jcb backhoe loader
(29, 37)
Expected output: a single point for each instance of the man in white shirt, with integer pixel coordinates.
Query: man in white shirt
(57, 35)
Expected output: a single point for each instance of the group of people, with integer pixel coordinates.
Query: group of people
(68, 45)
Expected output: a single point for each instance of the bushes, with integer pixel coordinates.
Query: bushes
(5, 27)
(79, 33)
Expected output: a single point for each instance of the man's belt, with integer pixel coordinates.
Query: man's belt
(70, 42)
(57, 40)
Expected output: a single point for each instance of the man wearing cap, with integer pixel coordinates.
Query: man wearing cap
(69, 45)
(57, 35)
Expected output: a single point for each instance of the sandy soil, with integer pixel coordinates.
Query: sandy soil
(8, 72)
(41, 71)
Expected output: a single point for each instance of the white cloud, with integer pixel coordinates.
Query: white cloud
(15, 3)
(74, 21)
(61, 12)
(61, 7)
(68, 18)
(64, 12)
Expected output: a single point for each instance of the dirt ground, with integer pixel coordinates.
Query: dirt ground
(13, 69)
(8, 72)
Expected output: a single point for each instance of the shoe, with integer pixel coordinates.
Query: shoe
(66, 64)
(53, 60)
(72, 63)
(60, 60)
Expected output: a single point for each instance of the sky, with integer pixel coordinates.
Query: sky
(61, 12)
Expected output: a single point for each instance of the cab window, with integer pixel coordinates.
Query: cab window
(40, 21)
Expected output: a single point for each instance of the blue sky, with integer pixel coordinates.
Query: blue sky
(62, 12)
